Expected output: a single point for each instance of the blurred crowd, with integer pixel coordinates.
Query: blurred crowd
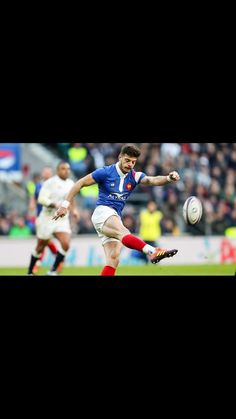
(207, 170)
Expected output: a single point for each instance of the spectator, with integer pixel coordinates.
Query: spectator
(129, 222)
(96, 154)
(19, 228)
(31, 184)
(4, 226)
(150, 227)
(170, 150)
(77, 154)
(90, 195)
(169, 227)
(63, 149)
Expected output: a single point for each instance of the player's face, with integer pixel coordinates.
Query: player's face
(152, 206)
(127, 163)
(63, 171)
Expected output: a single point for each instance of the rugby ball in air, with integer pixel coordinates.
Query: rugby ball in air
(192, 210)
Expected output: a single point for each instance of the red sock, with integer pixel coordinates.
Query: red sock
(52, 247)
(133, 242)
(108, 271)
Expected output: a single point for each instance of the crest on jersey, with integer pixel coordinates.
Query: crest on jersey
(112, 185)
(129, 186)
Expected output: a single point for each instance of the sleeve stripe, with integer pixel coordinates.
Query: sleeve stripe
(138, 176)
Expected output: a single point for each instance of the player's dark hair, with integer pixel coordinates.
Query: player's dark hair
(131, 150)
(61, 163)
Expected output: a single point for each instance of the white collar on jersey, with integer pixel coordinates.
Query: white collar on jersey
(62, 180)
(120, 173)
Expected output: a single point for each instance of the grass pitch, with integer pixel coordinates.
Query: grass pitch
(149, 270)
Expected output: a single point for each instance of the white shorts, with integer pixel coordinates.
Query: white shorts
(46, 227)
(99, 217)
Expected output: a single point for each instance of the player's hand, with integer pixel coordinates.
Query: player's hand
(60, 213)
(174, 176)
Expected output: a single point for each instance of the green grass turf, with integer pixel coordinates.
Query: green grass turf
(153, 270)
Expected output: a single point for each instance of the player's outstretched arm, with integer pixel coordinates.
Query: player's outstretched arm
(160, 180)
(66, 205)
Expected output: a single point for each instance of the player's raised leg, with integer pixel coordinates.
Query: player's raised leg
(113, 227)
(160, 254)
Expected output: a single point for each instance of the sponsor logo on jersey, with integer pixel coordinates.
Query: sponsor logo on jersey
(118, 196)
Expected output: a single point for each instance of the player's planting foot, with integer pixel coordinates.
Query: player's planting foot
(161, 254)
(36, 267)
(52, 273)
(60, 267)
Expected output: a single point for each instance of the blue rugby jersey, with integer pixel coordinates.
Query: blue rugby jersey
(115, 187)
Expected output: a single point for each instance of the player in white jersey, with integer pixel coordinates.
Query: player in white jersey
(51, 196)
(116, 183)
(34, 206)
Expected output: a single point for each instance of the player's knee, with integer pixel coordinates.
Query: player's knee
(65, 247)
(124, 233)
